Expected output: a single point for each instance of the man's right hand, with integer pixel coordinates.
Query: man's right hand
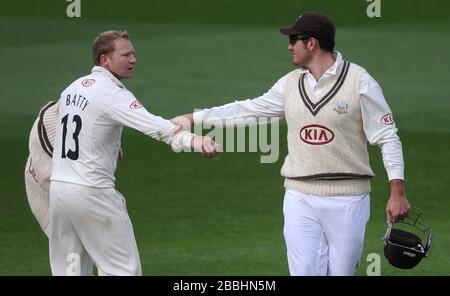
(207, 146)
(184, 121)
(398, 206)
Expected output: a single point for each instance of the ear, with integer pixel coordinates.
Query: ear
(104, 60)
(313, 43)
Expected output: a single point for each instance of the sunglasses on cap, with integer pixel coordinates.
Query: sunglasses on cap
(294, 38)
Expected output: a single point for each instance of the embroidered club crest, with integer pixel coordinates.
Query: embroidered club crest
(341, 107)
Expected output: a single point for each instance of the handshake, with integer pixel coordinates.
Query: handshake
(206, 145)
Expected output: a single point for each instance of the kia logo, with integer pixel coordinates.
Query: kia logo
(387, 119)
(315, 134)
(88, 82)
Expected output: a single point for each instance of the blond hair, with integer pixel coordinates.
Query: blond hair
(104, 43)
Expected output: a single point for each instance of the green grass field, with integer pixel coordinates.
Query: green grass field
(194, 216)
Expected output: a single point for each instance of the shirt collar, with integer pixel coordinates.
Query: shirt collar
(105, 72)
(332, 70)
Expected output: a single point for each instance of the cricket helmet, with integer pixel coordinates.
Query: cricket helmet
(403, 246)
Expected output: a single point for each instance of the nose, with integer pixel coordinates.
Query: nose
(133, 60)
(290, 47)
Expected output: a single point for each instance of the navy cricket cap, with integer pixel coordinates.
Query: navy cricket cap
(312, 24)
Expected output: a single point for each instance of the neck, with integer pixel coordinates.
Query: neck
(320, 63)
(112, 72)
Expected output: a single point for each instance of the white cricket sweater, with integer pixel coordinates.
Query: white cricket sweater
(326, 141)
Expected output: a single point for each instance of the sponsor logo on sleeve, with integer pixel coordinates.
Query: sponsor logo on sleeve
(316, 134)
(88, 82)
(387, 119)
(136, 105)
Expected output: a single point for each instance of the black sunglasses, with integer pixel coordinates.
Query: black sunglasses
(294, 38)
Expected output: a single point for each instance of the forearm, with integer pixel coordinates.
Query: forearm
(245, 112)
(240, 113)
(393, 159)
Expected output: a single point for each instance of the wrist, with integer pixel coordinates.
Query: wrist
(196, 117)
(397, 187)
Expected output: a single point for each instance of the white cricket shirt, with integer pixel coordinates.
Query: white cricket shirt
(377, 117)
(92, 113)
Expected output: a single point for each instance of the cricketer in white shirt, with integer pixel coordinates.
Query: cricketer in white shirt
(270, 104)
(89, 222)
(316, 241)
(95, 108)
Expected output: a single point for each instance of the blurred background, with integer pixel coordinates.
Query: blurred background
(193, 216)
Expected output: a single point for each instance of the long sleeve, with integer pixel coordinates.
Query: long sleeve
(126, 109)
(244, 112)
(379, 126)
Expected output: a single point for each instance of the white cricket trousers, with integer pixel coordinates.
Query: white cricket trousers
(90, 226)
(324, 235)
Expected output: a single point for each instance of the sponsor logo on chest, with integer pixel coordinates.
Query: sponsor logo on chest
(315, 134)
